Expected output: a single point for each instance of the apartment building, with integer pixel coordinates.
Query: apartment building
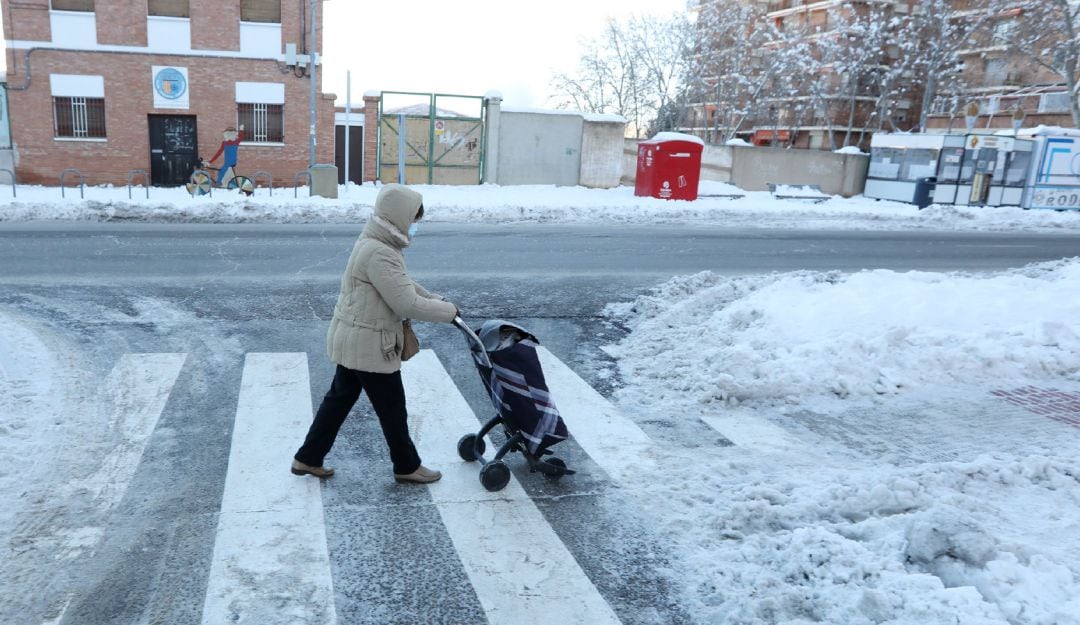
(821, 108)
(112, 87)
(999, 81)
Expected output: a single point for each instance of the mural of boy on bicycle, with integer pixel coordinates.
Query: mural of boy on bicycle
(227, 177)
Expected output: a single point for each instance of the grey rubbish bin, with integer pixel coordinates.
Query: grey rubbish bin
(324, 180)
(924, 191)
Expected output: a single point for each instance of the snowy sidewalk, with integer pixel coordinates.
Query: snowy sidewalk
(905, 445)
(495, 204)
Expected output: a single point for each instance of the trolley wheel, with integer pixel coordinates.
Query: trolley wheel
(246, 186)
(558, 463)
(495, 475)
(200, 184)
(466, 447)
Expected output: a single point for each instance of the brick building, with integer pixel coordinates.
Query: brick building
(111, 86)
(1000, 80)
(822, 109)
(995, 75)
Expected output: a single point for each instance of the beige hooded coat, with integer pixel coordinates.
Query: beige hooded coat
(376, 291)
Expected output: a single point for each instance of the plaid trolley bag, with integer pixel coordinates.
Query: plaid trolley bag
(506, 358)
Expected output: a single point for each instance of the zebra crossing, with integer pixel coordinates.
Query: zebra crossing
(271, 562)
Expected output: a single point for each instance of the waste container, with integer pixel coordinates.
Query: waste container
(669, 167)
(924, 191)
(324, 180)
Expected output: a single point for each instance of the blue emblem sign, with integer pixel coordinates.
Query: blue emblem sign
(170, 83)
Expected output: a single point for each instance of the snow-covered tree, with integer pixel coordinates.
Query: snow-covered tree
(940, 29)
(738, 58)
(1049, 33)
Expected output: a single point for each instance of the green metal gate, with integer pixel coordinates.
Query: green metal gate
(426, 144)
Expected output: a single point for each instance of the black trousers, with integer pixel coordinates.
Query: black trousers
(387, 397)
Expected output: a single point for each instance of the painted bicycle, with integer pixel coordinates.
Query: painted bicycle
(205, 177)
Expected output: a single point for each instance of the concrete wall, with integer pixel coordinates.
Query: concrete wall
(7, 161)
(539, 148)
(752, 169)
(836, 174)
(601, 142)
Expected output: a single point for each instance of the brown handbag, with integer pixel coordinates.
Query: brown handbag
(410, 344)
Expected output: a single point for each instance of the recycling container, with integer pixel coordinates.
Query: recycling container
(669, 167)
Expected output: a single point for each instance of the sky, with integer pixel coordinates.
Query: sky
(465, 48)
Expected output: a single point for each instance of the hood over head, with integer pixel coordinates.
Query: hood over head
(398, 204)
(395, 208)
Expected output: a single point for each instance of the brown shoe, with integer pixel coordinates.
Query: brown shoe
(422, 475)
(299, 468)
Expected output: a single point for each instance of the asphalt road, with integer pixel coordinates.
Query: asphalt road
(217, 293)
(35, 252)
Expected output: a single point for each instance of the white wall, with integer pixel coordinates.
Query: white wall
(539, 148)
(601, 149)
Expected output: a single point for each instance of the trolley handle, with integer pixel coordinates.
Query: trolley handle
(475, 344)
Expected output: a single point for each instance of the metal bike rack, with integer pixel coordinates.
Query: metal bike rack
(82, 181)
(266, 174)
(12, 174)
(207, 174)
(146, 180)
(296, 182)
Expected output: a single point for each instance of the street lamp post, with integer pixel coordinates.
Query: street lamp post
(311, 80)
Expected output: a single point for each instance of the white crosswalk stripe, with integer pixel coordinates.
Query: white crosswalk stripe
(136, 392)
(751, 431)
(521, 571)
(138, 387)
(270, 561)
(612, 440)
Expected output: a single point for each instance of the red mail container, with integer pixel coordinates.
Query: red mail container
(669, 167)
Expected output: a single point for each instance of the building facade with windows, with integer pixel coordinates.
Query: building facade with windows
(112, 86)
(796, 93)
(1002, 82)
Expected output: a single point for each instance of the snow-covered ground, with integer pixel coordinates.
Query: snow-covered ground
(874, 476)
(492, 204)
(842, 394)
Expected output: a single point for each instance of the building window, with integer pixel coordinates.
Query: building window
(263, 123)
(168, 8)
(261, 11)
(73, 5)
(995, 72)
(1055, 102)
(79, 117)
(1003, 32)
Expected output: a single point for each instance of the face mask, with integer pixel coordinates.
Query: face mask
(413, 228)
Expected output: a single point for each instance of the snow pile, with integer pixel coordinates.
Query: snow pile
(526, 203)
(817, 530)
(938, 543)
(707, 338)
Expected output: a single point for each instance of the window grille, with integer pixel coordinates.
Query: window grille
(263, 123)
(79, 118)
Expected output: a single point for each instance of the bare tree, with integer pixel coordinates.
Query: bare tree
(633, 68)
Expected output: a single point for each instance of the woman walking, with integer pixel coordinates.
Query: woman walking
(366, 337)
